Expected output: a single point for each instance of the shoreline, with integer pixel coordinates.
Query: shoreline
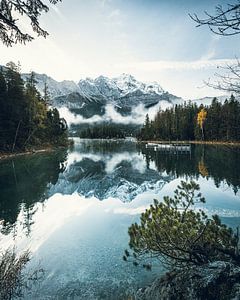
(235, 144)
(45, 149)
(6, 155)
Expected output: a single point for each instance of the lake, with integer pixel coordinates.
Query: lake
(72, 209)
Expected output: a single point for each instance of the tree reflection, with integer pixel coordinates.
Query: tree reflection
(23, 182)
(221, 163)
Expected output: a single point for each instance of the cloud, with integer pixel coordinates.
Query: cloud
(209, 55)
(212, 47)
(137, 116)
(77, 119)
(36, 56)
(131, 210)
(114, 14)
(137, 162)
(105, 2)
(58, 12)
(111, 161)
(176, 65)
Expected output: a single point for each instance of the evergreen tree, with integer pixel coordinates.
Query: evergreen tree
(103, 131)
(25, 119)
(15, 105)
(219, 122)
(178, 235)
(46, 94)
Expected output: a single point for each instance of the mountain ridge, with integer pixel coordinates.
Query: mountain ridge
(122, 99)
(121, 85)
(91, 97)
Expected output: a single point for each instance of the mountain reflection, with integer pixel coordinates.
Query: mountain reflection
(123, 169)
(106, 169)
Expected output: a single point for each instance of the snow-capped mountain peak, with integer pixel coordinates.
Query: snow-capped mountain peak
(117, 87)
(127, 83)
(100, 88)
(154, 87)
(55, 88)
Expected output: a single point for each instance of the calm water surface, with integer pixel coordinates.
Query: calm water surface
(72, 209)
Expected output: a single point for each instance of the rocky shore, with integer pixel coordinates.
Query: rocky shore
(216, 281)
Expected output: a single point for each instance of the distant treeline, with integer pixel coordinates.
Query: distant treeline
(26, 121)
(217, 122)
(107, 131)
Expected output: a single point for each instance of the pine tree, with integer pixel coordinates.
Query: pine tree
(46, 94)
(15, 106)
(220, 122)
(25, 119)
(181, 237)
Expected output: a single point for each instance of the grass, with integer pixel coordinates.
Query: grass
(14, 279)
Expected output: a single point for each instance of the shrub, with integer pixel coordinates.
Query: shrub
(13, 278)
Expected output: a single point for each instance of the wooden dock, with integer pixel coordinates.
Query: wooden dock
(170, 147)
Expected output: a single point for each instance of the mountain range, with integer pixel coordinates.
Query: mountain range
(120, 99)
(89, 97)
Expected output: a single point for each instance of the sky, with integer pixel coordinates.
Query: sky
(154, 40)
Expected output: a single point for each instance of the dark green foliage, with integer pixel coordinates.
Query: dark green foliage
(180, 123)
(25, 181)
(178, 235)
(31, 10)
(175, 123)
(148, 132)
(103, 131)
(222, 163)
(25, 119)
(110, 128)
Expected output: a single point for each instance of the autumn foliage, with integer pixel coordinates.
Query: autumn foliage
(216, 122)
(201, 118)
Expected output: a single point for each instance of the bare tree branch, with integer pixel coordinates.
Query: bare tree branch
(229, 81)
(225, 21)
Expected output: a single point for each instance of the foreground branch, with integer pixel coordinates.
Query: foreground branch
(10, 32)
(226, 20)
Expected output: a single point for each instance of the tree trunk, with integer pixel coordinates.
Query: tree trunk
(15, 138)
(202, 133)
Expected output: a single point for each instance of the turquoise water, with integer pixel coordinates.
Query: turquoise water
(72, 209)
